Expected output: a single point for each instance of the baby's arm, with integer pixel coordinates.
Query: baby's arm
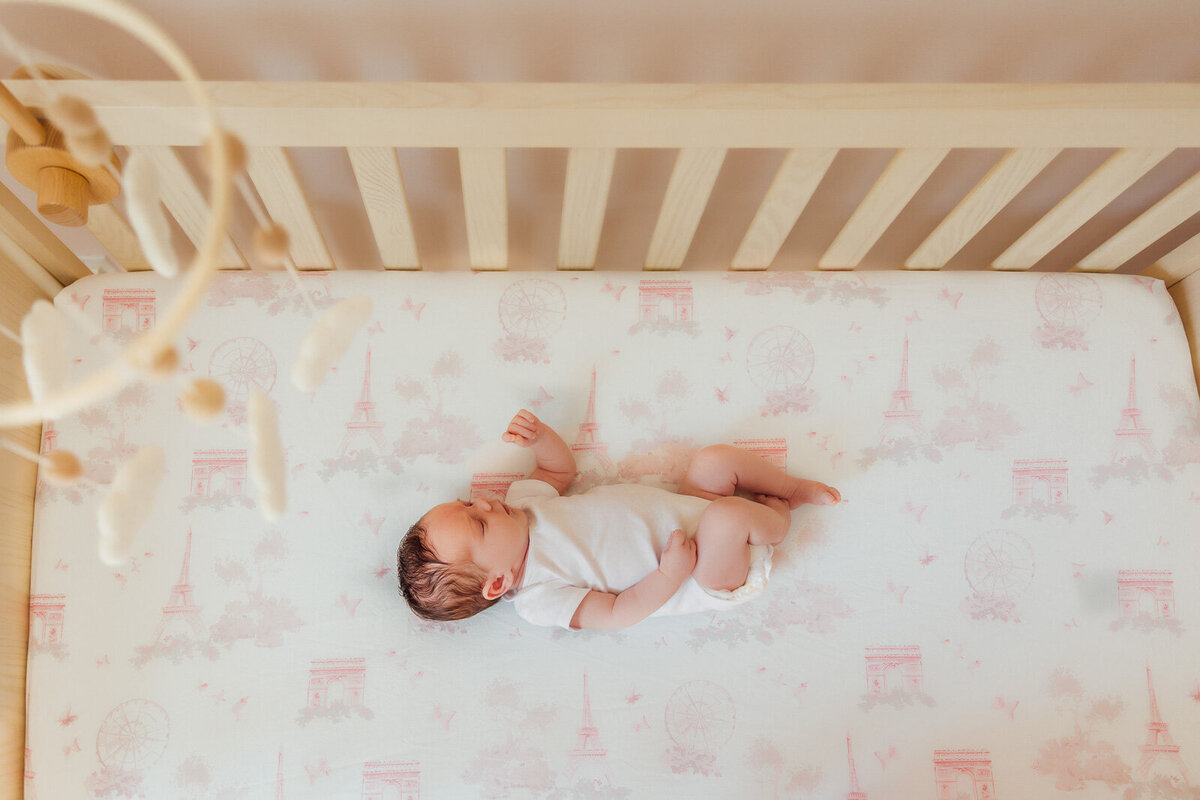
(555, 462)
(610, 611)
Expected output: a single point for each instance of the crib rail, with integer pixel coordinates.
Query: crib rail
(922, 122)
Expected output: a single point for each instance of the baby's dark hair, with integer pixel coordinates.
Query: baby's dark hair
(436, 590)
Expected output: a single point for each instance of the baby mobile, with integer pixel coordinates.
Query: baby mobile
(66, 155)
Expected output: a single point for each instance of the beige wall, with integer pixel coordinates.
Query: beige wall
(626, 40)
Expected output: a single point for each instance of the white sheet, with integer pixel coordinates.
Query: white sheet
(1000, 609)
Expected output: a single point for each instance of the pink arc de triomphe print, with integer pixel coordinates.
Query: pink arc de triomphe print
(1039, 481)
(217, 472)
(1146, 593)
(665, 301)
(391, 780)
(128, 309)
(335, 682)
(963, 774)
(492, 484)
(894, 669)
(46, 617)
(773, 451)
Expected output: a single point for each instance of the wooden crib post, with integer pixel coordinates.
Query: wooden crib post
(18, 478)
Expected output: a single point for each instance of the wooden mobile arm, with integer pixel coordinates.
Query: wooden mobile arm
(20, 118)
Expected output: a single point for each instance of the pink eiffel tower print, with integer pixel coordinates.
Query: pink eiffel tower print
(586, 441)
(180, 610)
(363, 422)
(1158, 740)
(855, 792)
(589, 735)
(900, 414)
(1131, 437)
(279, 778)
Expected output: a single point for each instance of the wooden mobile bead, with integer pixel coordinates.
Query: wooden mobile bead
(72, 116)
(203, 399)
(93, 149)
(235, 149)
(161, 364)
(62, 467)
(271, 244)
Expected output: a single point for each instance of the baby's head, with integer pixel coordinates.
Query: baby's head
(460, 558)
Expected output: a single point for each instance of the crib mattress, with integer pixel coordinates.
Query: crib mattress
(1005, 606)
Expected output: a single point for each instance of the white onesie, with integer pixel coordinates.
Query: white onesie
(608, 539)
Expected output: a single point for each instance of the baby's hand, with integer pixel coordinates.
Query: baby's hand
(679, 557)
(524, 430)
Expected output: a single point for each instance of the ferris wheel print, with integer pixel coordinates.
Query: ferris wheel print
(242, 364)
(532, 309)
(700, 716)
(999, 564)
(1068, 301)
(780, 359)
(133, 736)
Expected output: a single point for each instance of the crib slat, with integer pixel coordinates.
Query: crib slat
(1135, 237)
(484, 180)
(186, 204)
(271, 171)
(112, 231)
(790, 192)
(1010, 175)
(377, 171)
(691, 183)
(1112, 178)
(904, 176)
(1179, 263)
(29, 232)
(585, 198)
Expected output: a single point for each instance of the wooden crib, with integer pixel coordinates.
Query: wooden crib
(1144, 123)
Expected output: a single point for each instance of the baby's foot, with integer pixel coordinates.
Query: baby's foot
(812, 492)
(777, 504)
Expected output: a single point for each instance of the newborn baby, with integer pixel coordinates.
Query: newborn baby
(611, 556)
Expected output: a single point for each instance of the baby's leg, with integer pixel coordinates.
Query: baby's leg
(724, 534)
(720, 470)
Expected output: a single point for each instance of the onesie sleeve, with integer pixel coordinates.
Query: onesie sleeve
(551, 603)
(528, 489)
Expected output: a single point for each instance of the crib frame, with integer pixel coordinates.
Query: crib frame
(923, 122)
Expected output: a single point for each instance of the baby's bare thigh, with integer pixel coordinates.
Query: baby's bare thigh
(723, 543)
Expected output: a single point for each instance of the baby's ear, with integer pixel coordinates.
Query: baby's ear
(497, 586)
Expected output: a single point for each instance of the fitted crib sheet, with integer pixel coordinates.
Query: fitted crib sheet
(1005, 605)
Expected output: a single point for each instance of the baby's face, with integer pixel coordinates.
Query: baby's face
(487, 532)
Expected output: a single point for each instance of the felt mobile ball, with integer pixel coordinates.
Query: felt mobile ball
(62, 467)
(72, 115)
(92, 149)
(202, 400)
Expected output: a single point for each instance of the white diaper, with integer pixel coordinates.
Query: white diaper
(692, 597)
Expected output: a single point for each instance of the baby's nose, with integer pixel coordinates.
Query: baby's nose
(486, 505)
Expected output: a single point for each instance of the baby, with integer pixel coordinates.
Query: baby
(611, 556)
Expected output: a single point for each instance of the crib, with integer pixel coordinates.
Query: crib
(591, 126)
